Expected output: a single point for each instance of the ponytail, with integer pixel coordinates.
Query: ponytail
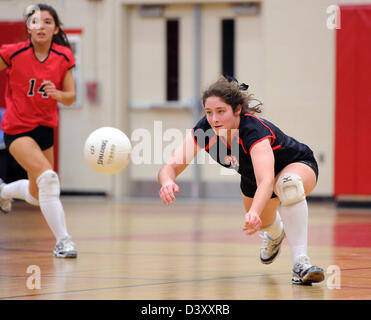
(61, 38)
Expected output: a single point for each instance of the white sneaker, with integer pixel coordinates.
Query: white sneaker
(5, 204)
(65, 248)
(270, 249)
(305, 274)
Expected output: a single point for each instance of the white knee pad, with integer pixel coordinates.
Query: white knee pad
(48, 183)
(289, 188)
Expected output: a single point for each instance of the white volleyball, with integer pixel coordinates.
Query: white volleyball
(107, 150)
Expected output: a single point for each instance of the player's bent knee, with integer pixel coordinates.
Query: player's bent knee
(48, 183)
(290, 189)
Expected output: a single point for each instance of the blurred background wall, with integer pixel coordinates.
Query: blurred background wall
(143, 64)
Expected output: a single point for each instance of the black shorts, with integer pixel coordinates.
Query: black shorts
(248, 186)
(44, 137)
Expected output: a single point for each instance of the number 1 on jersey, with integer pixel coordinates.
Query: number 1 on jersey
(32, 87)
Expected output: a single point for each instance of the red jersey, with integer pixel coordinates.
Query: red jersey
(27, 105)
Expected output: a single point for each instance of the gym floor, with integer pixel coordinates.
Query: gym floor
(141, 249)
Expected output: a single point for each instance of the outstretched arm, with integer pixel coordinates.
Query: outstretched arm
(176, 164)
(263, 162)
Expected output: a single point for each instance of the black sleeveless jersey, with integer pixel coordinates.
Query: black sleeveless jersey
(252, 130)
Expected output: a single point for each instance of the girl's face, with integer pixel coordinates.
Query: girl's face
(42, 27)
(221, 116)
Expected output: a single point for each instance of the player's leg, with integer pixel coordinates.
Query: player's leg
(292, 185)
(19, 189)
(44, 185)
(16, 190)
(49, 197)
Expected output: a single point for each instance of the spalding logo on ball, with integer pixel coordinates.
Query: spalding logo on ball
(107, 150)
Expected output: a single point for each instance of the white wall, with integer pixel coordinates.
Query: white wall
(299, 76)
(286, 55)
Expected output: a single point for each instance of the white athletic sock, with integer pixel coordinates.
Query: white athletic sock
(50, 204)
(295, 223)
(19, 190)
(275, 229)
(54, 215)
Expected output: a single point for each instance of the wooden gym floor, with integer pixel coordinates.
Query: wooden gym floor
(141, 249)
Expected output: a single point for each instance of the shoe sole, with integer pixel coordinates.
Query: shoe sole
(275, 256)
(271, 259)
(66, 256)
(314, 276)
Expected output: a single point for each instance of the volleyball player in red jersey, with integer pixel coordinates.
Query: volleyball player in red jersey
(39, 74)
(277, 172)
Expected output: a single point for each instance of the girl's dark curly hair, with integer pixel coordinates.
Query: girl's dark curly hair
(233, 93)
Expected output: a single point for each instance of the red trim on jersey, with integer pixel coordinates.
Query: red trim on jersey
(271, 131)
(193, 135)
(211, 142)
(266, 137)
(235, 134)
(277, 147)
(225, 142)
(241, 143)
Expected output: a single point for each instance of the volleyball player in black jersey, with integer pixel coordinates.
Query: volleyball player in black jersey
(277, 171)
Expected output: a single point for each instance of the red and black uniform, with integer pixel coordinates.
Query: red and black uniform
(27, 105)
(252, 130)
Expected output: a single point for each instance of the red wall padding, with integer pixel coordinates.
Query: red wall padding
(353, 102)
(10, 32)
